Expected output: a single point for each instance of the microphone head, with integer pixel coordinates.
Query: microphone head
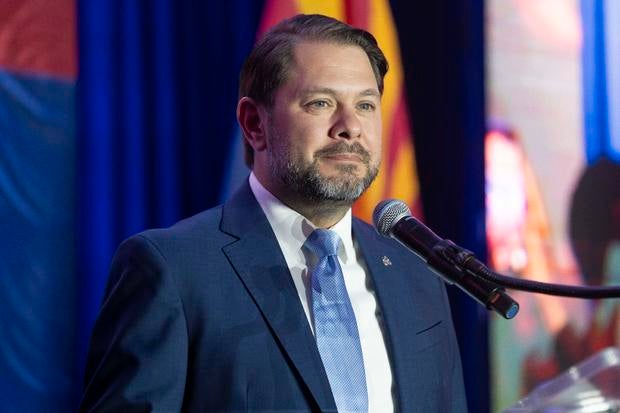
(387, 213)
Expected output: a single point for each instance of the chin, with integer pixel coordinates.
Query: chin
(346, 169)
(342, 189)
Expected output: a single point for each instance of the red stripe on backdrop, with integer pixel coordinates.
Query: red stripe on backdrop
(38, 36)
(275, 11)
(357, 12)
(399, 136)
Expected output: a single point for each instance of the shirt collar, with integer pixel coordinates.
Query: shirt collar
(291, 228)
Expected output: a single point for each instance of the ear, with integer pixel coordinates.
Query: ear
(251, 119)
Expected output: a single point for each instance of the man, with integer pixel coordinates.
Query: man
(279, 300)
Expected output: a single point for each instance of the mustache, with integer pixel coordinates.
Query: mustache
(342, 148)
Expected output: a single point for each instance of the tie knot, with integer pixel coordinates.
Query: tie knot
(323, 242)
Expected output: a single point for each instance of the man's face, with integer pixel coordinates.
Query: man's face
(324, 129)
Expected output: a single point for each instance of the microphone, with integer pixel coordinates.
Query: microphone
(455, 265)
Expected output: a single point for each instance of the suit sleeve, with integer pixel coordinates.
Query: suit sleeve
(137, 360)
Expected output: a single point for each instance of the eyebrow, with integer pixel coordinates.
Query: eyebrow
(329, 91)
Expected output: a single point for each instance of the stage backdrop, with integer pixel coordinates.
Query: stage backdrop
(553, 180)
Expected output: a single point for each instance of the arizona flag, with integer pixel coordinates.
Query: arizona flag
(37, 144)
(397, 177)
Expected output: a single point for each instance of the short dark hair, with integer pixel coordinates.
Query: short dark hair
(269, 62)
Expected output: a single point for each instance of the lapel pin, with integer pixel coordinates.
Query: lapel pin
(386, 261)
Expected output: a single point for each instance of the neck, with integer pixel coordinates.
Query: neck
(323, 214)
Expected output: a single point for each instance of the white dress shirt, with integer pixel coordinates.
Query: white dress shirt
(291, 230)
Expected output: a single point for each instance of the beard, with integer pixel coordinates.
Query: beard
(305, 179)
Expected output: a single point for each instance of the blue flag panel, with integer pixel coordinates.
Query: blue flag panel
(37, 293)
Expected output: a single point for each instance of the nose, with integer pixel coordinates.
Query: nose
(346, 125)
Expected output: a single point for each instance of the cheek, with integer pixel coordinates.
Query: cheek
(375, 141)
(306, 139)
(296, 146)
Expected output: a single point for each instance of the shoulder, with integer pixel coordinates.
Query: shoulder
(193, 240)
(188, 229)
(190, 234)
(367, 234)
(174, 256)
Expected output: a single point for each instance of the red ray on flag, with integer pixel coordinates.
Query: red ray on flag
(38, 37)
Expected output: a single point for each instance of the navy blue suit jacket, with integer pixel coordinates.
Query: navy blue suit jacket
(204, 316)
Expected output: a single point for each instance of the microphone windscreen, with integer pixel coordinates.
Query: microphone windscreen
(387, 213)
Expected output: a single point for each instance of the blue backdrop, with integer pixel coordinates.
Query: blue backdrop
(157, 98)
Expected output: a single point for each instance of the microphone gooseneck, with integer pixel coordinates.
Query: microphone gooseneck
(457, 265)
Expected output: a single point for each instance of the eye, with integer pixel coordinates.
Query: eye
(318, 104)
(366, 106)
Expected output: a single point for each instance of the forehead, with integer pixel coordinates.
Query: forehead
(337, 66)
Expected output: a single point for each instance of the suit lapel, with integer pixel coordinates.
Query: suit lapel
(396, 296)
(258, 260)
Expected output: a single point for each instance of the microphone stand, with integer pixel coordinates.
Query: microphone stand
(465, 260)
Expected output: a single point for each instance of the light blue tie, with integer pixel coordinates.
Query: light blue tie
(335, 327)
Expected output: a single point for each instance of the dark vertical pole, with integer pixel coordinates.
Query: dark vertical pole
(442, 46)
